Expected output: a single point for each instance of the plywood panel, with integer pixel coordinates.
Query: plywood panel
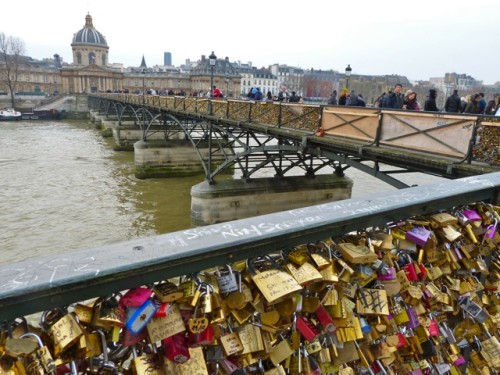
(351, 122)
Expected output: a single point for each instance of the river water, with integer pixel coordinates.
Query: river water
(64, 188)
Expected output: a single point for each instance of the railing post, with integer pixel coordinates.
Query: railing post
(279, 114)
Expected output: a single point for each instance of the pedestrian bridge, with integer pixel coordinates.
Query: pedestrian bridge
(252, 135)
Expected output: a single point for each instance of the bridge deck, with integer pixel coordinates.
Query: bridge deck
(436, 143)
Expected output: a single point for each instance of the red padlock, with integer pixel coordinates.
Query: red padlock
(129, 339)
(325, 319)
(203, 338)
(410, 272)
(162, 310)
(306, 329)
(175, 348)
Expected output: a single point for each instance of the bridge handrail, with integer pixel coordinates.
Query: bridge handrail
(53, 281)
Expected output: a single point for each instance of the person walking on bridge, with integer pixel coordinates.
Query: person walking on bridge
(394, 99)
(430, 103)
(453, 103)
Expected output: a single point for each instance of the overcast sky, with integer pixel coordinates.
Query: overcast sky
(418, 39)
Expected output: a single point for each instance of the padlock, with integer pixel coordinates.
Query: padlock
(175, 348)
(466, 224)
(280, 352)
(299, 255)
(167, 292)
(319, 254)
(418, 235)
(308, 331)
(135, 297)
(40, 361)
(65, 332)
(325, 319)
(102, 364)
(159, 328)
(227, 280)
(251, 338)
(231, 342)
(141, 316)
(274, 284)
(146, 364)
(108, 312)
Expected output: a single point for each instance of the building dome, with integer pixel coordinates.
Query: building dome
(89, 35)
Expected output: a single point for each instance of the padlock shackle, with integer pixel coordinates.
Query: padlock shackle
(35, 336)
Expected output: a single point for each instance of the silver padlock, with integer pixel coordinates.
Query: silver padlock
(227, 280)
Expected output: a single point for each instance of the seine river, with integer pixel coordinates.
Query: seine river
(64, 188)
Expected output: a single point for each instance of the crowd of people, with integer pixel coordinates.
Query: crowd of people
(474, 103)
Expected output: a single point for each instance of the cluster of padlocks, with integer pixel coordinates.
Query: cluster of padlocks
(417, 296)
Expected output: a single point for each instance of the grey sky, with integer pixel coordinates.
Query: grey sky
(419, 39)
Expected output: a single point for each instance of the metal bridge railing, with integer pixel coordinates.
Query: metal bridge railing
(58, 280)
(441, 134)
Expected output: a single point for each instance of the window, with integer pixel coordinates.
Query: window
(91, 58)
(78, 58)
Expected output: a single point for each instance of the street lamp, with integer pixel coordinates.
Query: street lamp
(143, 86)
(347, 75)
(227, 85)
(212, 60)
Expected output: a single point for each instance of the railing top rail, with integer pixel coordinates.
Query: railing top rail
(38, 284)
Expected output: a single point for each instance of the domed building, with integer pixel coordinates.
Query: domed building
(89, 45)
(90, 71)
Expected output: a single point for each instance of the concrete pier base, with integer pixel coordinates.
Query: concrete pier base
(160, 159)
(235, 199)
(127, 134)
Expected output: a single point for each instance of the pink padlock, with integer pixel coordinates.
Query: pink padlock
(433, 328)
(460, 361)
(135, 297)
(390, 274)
(418, 235)
(472, 215)
(491, 230)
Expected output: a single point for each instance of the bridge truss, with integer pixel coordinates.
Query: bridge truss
(249, 137)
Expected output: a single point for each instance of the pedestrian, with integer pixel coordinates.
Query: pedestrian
(294, 98)
(474, 107)
(269, 95)
(482, 102)
(333, 98)
(217, 93)
(491, 106)
(410, 101)
(453, 103)
(353, 99)
(360, 101)
(343, 100)
(282, 95)
(258, 94)
(430, 102)
(394, 99)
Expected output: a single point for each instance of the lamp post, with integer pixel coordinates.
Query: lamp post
(143, 104)
(143, 86)
(347, 75)
(227, 85)
(212, 60)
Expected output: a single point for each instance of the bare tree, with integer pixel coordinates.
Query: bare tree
(11, 52)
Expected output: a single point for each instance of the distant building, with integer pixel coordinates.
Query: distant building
(167, 58)
(289, 77)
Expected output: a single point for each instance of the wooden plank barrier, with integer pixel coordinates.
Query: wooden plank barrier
(351, 122)
(438, 133)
